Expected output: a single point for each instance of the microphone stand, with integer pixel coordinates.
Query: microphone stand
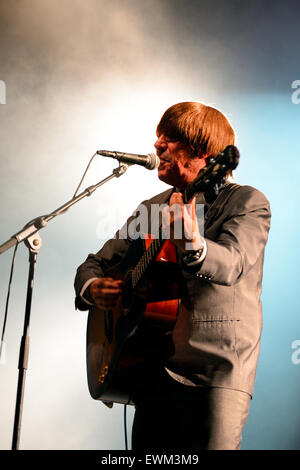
(29, 234)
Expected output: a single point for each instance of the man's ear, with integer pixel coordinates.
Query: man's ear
(203, 157)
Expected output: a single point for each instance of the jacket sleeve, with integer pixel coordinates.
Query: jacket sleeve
(241, 238)
(110, 255)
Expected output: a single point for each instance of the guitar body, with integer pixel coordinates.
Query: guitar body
(121, 341)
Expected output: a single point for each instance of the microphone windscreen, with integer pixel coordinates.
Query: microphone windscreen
(154, 161)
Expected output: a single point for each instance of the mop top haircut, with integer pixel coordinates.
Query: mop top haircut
(205, 129)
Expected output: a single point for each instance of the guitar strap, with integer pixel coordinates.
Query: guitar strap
(220, 201)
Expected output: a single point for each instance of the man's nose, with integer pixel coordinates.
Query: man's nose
(160, 143)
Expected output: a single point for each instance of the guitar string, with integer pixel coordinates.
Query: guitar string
(145, 260)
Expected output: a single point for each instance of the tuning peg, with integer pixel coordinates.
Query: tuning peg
(234, 155)
(216, 188)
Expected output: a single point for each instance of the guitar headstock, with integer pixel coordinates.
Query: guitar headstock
(213, 175)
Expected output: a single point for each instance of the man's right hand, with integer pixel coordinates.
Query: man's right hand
(105, 292)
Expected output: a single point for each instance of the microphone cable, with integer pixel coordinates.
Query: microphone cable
(12, 269)
(7, 300)
(125, 427)
(83, 176)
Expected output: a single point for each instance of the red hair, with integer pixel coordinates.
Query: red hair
(205, 129)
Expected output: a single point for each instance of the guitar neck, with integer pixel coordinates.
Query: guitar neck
(147, 258)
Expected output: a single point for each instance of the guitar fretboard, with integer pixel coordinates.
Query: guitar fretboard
(148, 256)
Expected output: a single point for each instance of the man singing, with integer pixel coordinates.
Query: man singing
(198, 397)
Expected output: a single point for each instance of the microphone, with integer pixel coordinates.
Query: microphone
(150, 161)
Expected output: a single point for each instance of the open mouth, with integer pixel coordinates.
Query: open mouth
(163, 158)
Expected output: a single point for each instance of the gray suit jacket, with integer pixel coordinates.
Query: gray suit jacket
(217, 335)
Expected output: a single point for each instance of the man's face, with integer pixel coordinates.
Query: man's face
(177, 168)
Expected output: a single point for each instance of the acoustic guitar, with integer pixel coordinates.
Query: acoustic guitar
(121, 342)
